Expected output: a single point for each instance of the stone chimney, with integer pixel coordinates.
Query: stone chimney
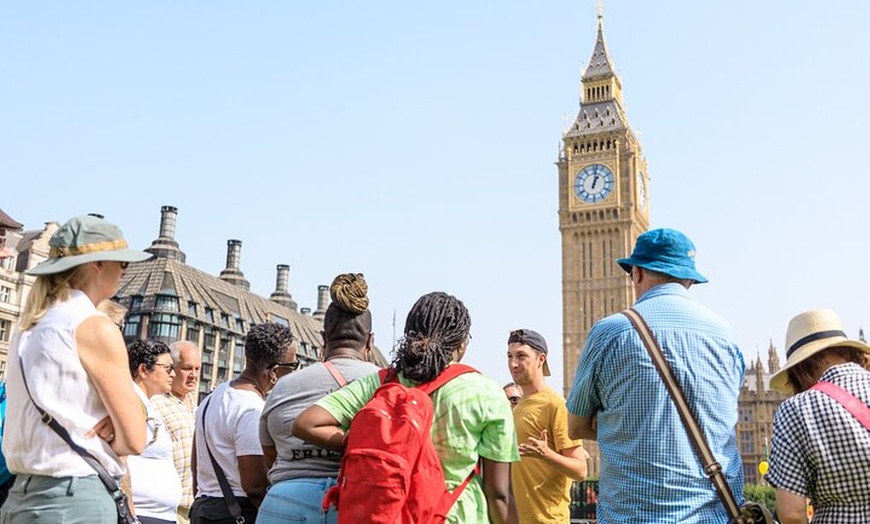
(165, 246)
(232, 273)
(322, 302)
(282, 288)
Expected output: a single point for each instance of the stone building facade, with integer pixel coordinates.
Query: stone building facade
(756, 405)
(603, 208)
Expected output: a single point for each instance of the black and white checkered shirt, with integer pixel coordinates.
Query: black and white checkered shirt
(821, 451)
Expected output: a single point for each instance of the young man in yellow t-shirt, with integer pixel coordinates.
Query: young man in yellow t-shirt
(550, 460)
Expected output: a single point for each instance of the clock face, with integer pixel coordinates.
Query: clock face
(593, 183)
(641, 190)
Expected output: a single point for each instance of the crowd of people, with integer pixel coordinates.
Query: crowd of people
(98, 429)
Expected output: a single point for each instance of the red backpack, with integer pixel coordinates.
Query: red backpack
(390, 472)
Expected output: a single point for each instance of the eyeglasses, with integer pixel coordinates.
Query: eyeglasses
(515, 400)
(166, 367)
(292, 366)
(124, 265)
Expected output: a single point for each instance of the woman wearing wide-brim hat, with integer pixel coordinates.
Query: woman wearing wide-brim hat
(75, 365)
(820, 449)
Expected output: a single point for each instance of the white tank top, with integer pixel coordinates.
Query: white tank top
(60, 385)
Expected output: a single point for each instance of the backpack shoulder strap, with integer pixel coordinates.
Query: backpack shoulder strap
(336, 374)
(850, 402)
(450, 372)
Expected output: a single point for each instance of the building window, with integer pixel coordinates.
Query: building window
(225, 320)
(131, 327)
(135, 302)
(164, 326)
(191, 309)
(192, 333)
(210, 338)
(8, 263)
(166, 302)
(5, 294)
(5, 329)
(209, 314)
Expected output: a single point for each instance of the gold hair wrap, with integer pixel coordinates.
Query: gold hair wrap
(69, 251)
(349, 292)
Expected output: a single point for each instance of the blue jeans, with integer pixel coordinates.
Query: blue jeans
(36, 499)
(297, 500)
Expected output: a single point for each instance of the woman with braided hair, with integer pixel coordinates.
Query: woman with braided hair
(299, 472)
(471, 419)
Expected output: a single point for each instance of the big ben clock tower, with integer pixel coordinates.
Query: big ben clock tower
(604, 201)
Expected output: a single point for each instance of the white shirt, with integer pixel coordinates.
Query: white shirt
(153, 477)
(232, 427)
(60, 385)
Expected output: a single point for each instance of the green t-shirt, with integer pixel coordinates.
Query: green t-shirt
(471, 419)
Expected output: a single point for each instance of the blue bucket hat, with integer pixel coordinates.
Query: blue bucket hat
(664, 250)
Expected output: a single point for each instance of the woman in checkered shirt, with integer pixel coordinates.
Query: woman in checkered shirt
(821, 450)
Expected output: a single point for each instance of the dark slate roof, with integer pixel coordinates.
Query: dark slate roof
(597, 118)
(8, 222)
(600, 65)
(166, 276)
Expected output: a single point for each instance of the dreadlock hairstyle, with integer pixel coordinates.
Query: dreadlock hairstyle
(347, 321)
(436, 326)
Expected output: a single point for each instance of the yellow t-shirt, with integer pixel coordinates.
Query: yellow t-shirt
(542, 494)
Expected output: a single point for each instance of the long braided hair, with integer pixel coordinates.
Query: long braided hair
(436, 326)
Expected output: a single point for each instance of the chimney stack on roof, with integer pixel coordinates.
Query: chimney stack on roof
(232, 273)
(282, 288)
(322, 302)
(165, 246)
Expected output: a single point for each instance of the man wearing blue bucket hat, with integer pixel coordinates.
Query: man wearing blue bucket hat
(650, 471)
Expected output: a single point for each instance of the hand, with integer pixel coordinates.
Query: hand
(535, 448)
(103, 429)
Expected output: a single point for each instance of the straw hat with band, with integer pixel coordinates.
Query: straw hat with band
(534, 340)
(809, 333)
(86, 239)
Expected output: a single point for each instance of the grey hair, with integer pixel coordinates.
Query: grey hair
(176, 347)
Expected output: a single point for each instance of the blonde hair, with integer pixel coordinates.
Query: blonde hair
(116, 312)
(47, 290)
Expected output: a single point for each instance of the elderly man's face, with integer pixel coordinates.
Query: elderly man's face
(187, 371)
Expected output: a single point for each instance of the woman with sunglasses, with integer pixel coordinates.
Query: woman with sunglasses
(300, 473)
(69, 359)
(227, 430)
(154, 481)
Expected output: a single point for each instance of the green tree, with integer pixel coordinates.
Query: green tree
(762, 494)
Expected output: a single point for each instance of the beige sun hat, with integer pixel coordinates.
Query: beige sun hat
(809, 333)
(85, 239)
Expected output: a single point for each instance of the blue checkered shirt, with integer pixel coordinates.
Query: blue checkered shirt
(650, 471)
(821, 451)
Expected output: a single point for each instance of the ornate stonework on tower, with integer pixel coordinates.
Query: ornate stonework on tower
(603, 207)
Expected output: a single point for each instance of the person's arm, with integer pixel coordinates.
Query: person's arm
(570, 462)
(496, 488)
(104, 357)
(582, 427)
(319, 427)
(790, 508)
(253, 476)
(270, 454)
(193, 464)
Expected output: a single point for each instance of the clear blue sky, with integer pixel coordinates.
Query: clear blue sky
(414, 142)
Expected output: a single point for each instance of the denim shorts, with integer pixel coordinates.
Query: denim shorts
(297, 500)
(35, 499)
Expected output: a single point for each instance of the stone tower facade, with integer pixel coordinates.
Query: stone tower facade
(603, 204)
(603, 207)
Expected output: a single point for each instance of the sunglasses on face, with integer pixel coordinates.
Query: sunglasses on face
(514, 400)
(290, 366)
